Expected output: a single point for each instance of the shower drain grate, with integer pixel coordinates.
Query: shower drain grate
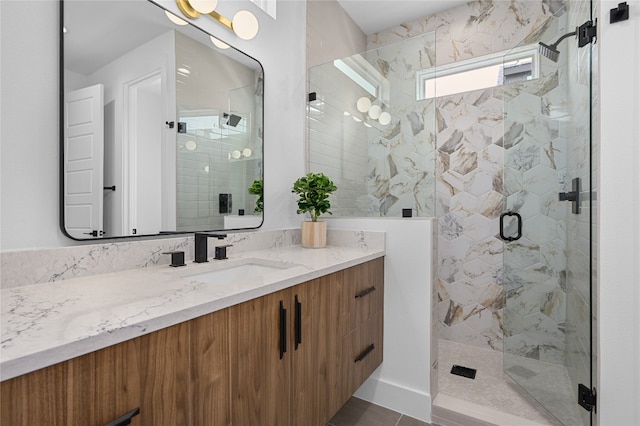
(467, 372)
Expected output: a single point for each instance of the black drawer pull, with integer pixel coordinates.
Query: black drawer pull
(366, 291)
(365, 353)
(125, 419)
(283, 330)
(298, 320)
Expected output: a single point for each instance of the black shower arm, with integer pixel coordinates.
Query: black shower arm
(554, 45)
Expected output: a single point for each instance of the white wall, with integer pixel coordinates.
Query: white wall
(122, 78)
(619, 227)
(402, 382)
(29, 207)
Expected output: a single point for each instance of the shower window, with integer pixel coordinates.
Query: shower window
(479, 73)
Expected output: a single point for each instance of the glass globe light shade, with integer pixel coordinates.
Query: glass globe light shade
(374, 112)
(173, 18)
(204, 6)
(245, 25)
(385, 118)
(363, 104)
(219, 44)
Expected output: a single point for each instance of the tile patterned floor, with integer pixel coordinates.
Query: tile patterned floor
(491, 387)
(357, 412)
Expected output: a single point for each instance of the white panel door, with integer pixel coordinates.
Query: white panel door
(83, 161)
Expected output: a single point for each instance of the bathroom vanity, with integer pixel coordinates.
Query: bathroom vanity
(287, 345)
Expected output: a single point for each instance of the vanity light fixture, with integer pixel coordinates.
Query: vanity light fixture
(244, 23)
(374, 111)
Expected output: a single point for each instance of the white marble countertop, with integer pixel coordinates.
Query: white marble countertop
(44, 324)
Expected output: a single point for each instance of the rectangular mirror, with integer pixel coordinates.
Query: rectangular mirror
(161, 129)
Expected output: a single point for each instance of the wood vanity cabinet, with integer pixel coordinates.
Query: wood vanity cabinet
(289, 358)
(285, 356)
(176, 376)
(150, 372)
(362, 308)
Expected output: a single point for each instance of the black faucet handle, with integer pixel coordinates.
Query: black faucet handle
(221, 252)
(177, 258)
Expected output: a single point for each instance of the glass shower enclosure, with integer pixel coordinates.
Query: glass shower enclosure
(493, 162)
(548, 276)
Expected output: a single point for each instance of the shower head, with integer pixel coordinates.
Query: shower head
(549, 52)
(232, 119)
(585, 34)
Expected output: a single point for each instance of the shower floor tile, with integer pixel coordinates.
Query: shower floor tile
(491, 387)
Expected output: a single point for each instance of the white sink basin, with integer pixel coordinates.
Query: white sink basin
(236, 272)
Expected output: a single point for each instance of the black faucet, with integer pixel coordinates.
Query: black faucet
(201, 239)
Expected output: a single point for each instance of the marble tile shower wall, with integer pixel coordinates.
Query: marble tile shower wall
(402, 155)
(378, 169)
(473, 145)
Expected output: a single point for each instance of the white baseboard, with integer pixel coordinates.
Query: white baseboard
(410, 402)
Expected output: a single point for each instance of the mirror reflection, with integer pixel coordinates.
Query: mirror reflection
(161, 128)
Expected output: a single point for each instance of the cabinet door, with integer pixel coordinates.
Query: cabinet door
(37, 398)
(150, 372)
(209, 368)
(363, 353)
(260, 373)
(363, 293)
(317, 351)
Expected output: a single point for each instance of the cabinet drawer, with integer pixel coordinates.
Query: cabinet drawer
(362, 350)
(363, 293)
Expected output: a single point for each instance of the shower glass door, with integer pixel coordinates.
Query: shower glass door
(548, 313)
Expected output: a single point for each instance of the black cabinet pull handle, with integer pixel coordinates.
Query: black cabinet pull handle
(519, 234)
(365, 353)
(125, 419)
(366, 291)
(283, 330)
(298, 320)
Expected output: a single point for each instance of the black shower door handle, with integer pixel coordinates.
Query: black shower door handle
(519, 234)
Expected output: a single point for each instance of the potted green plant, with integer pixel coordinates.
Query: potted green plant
(313, 191)
(256, 189)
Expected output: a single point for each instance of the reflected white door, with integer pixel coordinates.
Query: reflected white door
(83, 166)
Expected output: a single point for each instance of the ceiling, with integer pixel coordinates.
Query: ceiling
(376, 15)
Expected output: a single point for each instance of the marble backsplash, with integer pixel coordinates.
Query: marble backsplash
(38, 266)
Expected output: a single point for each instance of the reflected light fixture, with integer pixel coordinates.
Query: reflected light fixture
(374, 112)
(219, 44)
(244, 23)
(363, 104)
(173, 18)
(385, 118)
